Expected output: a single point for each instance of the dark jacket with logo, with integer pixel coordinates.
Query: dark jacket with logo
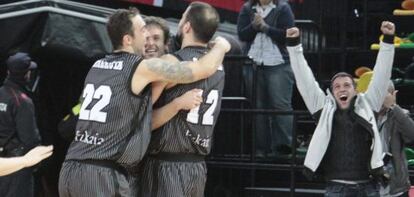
(18, 129)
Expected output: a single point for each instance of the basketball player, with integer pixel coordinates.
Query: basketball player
(114, 127)
(175, 165)
(159, 36)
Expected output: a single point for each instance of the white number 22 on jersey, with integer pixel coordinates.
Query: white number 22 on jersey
(103, 93)
(208, 117)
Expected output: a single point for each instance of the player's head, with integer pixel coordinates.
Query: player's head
(199, 20)
(126, 29)
(343, 88)
(159, 34)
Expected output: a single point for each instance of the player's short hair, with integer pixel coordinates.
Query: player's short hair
(204, 20)
(120, 24)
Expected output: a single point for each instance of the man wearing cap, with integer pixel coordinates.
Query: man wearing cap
(18, 129)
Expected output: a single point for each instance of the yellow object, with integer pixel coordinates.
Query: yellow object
(363, 82)
(399, 12)
(376, 46)
(361, 70)
(76, 109)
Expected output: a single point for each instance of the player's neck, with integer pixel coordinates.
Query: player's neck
(125, 49)
(192, 42)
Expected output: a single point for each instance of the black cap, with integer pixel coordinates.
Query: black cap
(20, 63)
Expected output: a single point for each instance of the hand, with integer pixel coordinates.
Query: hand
(191, 99)
(390, 99)
(37, 154)
(292, 32)
(388, 28)
(221, 42)
(258, 22)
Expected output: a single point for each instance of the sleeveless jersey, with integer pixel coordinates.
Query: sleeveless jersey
(190, 131)
(114, 124)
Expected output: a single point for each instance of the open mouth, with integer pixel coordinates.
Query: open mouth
(343, 97)
(150, 51)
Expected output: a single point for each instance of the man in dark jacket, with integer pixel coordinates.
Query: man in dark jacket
(396, 130)
(18, 129)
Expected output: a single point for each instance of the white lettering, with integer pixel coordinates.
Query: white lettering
(204, 142)
(117, 65)
(87, 138)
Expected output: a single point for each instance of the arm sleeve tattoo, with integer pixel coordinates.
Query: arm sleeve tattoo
(177, 72)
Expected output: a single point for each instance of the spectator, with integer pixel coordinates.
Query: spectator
(346, 146)
(18, 129)
(396, 130)
(262, 24)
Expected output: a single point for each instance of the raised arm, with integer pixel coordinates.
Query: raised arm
(308, 87)
(187, 101)
(157, 69)
(377, 90)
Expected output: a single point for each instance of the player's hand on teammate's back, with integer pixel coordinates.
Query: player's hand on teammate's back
(189, 100)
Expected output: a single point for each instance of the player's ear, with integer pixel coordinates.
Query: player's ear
(187, 27)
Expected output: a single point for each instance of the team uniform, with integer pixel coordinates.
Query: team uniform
(175, 164)
(112, 133)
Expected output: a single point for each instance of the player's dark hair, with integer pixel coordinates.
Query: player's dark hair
(119, 25)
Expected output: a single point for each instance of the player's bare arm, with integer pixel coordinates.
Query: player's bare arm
(189, 100)
(157, 69)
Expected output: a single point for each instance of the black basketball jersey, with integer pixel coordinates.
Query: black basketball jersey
(114, 124)
(190, 131)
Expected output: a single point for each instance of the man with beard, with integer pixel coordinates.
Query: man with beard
(175, 165)
(18, 128)
(346, 146)
(114, 126)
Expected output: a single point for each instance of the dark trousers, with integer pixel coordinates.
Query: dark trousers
(369, 189)
(17, 184)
